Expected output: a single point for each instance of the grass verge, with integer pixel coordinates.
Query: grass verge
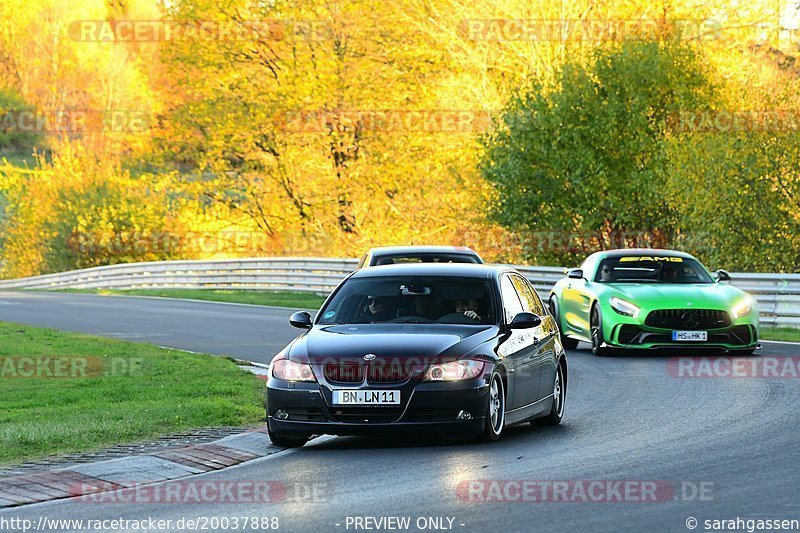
(70, 392)
(780, 334)
(300, 300)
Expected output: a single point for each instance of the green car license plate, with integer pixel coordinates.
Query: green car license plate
(690, 336)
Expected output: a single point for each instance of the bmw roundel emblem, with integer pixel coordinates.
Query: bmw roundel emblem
(369, 357)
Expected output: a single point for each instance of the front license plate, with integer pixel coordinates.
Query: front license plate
(690, 336)
(366, 397)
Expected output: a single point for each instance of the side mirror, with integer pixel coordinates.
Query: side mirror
(525, 321)
(301, 319)
(723, 275)
(575, 273)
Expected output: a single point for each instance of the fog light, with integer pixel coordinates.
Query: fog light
(464, 415)
(280, 414)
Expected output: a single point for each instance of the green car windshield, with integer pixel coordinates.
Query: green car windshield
(651, 269)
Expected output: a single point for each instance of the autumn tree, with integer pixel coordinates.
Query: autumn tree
(311, 129)
(78, 211)
(586, 157)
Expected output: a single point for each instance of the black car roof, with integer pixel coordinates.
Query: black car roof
(471, 270)
(392, 250)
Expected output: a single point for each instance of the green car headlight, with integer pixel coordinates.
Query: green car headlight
(624, 307)
(742, 308)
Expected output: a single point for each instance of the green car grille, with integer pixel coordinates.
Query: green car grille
(688, 319)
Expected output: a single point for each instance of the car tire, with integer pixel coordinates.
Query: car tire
(495, 409)
(567, 342)
(286, 442)
(596, 331)
(556, 413)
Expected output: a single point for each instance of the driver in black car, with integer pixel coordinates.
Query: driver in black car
(380, 309)
(466, 312)
(469, 308)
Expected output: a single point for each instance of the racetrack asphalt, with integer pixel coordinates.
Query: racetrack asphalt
(718, 447)
(249, 332)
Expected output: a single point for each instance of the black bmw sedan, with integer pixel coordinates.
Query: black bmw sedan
(445, 349)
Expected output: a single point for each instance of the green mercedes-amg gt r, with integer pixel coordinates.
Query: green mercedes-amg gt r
(649, 299)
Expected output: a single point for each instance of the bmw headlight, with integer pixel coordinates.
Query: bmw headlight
(623, 307)
(454, 371)
(291, 371)
(742, 308)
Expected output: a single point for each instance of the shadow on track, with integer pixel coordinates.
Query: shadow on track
(512, 435)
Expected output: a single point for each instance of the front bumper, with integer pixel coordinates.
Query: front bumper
(431, 408)
(639, 336)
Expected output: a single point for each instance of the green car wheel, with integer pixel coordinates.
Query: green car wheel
(596, 326)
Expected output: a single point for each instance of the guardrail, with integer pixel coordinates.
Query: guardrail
(778, 295)
(275, 273)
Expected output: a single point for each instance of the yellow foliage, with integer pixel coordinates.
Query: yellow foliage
(256, 147)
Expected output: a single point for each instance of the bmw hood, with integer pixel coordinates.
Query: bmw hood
(395, 341)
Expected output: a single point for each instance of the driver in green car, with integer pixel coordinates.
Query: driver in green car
(669, 274)
(606, 274)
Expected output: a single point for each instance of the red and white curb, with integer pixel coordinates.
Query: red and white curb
(115, 474)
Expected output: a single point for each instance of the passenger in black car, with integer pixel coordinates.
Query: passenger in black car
(466, 312)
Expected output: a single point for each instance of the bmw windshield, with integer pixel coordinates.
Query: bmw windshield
(652, 269)
(421, 300)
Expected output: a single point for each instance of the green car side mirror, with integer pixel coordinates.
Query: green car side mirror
(575, 273)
